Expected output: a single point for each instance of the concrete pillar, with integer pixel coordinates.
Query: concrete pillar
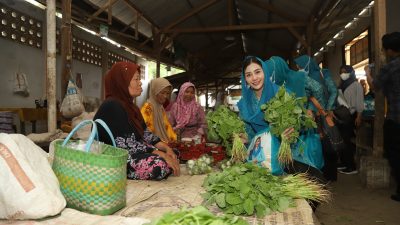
(51, 65)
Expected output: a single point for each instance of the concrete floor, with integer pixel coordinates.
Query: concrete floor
(353, 204)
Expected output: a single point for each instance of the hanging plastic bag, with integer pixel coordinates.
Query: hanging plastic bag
(21, 84)
(72, 105)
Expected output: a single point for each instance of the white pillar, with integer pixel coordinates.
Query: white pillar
(51, 65)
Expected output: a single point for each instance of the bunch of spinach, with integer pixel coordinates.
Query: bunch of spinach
(226, 123)
(285, 111)
(197, 215)
(246, 189)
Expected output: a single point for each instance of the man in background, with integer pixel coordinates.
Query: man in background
(388, 81)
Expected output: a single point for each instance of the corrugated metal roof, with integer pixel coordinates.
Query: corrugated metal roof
(215, 49)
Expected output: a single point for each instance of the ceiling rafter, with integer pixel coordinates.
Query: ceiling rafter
(237, 27)
(183, 18)
(298, 36)
(270, 8)
(102, 9)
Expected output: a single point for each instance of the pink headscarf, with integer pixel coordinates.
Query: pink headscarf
(185, 110)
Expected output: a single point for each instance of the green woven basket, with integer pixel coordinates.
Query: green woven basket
(93, 183)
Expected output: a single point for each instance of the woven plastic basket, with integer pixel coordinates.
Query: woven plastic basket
(93, 183)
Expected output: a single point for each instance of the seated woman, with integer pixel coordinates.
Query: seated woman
(149, 158)
(153, 110)
(186, 115)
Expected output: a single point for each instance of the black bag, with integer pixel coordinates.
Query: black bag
(342, 115)
(332, 133)
(328, 129)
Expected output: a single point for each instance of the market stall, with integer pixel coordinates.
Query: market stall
(151, 199)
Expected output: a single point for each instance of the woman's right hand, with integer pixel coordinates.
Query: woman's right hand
(173, 163)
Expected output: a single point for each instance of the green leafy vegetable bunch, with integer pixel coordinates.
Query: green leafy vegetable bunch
(224, 123)
(197, 216)
(285, 111)
(246, 189)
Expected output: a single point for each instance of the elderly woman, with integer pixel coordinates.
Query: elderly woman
(186, 115)
(149, 158)
(154, 113)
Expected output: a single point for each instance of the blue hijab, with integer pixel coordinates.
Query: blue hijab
(249, 105)
(310, 67)
(250, 112)
(281, 74)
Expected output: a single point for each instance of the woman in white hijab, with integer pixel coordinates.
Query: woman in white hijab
(153, 111)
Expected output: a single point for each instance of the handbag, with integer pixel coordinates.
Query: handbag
(328, 129)
(342, 112)
(92, 182)
(308, 149)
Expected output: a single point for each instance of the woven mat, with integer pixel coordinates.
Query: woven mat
(75, 217)
(151, 199)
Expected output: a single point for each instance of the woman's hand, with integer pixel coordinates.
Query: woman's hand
(288, 132)
(358, 120)
(244, 138)
(172, 163)
(171, 153)
(310, 114)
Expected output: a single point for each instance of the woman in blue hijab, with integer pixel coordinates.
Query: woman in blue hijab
(323, 76)
(257, 89)
(302, 86)
(281, 74)
(327, 99)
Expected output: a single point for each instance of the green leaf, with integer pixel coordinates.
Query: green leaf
(248, 206)
(233, 199)
(220, 200)
(283, 204)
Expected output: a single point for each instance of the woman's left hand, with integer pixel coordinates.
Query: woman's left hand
(171, 153)
(288, 132)
(358, 121)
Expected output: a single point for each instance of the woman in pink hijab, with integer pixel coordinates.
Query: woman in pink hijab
(186, 115)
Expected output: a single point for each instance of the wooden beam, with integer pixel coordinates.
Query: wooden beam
(66, 46)
(298, 36)
(129, 25)
(143, 16)
(109, 12)
(183, 18)
(230, 12)
(100, 10)
(237, 27)
(273, 9)
(331, 5)
(137, 26)
(190, 14)
(379, 31)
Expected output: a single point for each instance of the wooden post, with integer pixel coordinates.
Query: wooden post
(66, 46)
(380, 30)
(104, 67)
(51, 65)
(206, 96)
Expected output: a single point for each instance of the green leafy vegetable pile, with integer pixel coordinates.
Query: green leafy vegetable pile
(200, 166)
(248, 189)
(285, 111)
(223, 123)
(198, 215)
